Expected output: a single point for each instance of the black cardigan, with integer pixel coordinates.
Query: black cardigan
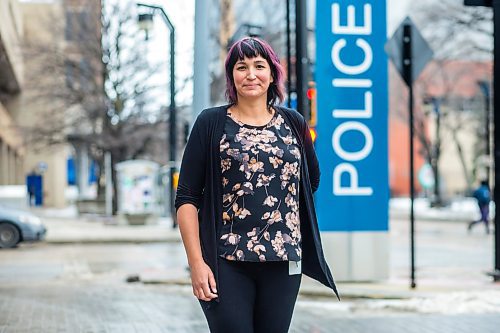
(200, 184)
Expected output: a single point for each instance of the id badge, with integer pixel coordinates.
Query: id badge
(294, 267)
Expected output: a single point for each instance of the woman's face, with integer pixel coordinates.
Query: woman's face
(252, 77)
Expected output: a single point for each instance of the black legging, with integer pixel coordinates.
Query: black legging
(254, 297)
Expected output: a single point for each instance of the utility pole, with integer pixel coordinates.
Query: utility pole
(301, 60)
(495, 4)
(172, 140)
(201, 77)
(288, 56)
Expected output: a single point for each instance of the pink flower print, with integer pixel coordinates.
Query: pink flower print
(290, 202)
(275, 161)
(263, 180)
(295, 152)
(292, 220)
(223, 143)
(277, 121)
(240, 255)
(270, 200)
(225, 164)
(288, 140)
(272, 217)
(231, 238)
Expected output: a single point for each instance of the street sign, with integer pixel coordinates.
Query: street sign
(426, 176)
(352, 112)
(421, 52)
(410, 53)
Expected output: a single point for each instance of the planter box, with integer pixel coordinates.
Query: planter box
(137, 219)
(91, 206)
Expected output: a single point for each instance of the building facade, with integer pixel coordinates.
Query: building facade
(38, 51)
(12, 151)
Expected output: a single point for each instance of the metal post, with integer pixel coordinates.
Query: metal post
(201, 82)
(407, 65)
(437, 145)
(301, 61)
(496, 132)
(172, 109)
(288, 56)
(488, 134)
(109, 184)
(485, 89)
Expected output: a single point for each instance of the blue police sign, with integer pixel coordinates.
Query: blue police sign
(352, 92)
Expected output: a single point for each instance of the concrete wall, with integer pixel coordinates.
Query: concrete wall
(43, 26)
(11, 33)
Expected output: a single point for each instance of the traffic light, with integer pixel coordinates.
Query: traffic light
(311, 97)
(313, 133)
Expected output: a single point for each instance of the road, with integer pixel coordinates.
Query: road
(82, 288)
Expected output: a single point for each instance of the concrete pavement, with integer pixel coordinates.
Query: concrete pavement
(92, 307)
(449, 259)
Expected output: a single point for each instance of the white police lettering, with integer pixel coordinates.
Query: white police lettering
(352, 126)
(352, 187)
(352, 28)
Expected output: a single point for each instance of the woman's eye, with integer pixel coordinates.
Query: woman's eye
(240, 68)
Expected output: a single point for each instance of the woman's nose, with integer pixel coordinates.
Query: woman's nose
(251, 75)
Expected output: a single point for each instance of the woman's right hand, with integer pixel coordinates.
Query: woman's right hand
(203, 281)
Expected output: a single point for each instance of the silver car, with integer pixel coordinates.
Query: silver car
(18, 226)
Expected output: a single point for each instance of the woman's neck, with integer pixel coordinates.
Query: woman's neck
(257, 113)
(252, 109)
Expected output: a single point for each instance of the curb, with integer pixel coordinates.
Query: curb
(110, 241)
(303, 291)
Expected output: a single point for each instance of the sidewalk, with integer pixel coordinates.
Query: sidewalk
(449, 260)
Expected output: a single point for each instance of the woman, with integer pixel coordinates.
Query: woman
(244, 200)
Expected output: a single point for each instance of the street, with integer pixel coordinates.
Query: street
(83, 288)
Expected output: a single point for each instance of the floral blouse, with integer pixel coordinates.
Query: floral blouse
(260, 179)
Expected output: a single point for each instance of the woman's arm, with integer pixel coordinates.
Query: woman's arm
(187, 202)
(202, 277)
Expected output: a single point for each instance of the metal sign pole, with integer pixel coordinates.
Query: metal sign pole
(496, 133)
(407, 75)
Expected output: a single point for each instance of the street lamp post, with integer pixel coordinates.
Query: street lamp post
(146, 21)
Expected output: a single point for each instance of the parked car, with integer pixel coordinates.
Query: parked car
(18, 226)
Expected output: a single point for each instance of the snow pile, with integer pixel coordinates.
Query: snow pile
(449, 303)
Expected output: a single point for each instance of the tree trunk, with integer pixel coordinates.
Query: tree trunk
(462, 161)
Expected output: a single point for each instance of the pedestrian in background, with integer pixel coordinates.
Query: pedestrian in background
(245, 200)
(483, 196)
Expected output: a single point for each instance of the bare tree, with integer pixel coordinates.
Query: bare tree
(454, 32)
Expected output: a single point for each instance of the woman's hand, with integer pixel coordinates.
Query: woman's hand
(203, 281)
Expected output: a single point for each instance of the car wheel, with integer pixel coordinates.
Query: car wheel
(9, 235)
